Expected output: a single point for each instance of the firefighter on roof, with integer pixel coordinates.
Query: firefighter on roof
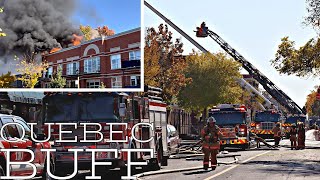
(211, 144)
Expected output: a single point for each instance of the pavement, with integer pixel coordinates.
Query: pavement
(263, 163)
(256, 164)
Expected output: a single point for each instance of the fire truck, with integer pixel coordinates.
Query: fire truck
(102, 108)
(233, 121)
(264, 122)
(292, 119)
(13, 132)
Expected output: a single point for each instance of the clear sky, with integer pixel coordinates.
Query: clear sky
(254, 28)
(119, 15)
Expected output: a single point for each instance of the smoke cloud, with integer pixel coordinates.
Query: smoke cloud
(35, 25)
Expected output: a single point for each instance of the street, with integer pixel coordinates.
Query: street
(274, 164)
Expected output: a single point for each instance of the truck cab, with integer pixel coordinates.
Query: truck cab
(264, 122)
(233, 123)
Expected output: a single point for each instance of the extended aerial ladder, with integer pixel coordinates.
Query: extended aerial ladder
(266, 83)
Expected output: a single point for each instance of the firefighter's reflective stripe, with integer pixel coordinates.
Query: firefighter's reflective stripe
(206, 162)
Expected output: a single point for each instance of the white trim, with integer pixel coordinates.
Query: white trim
(114, 49)
(72, 58)
(91, 46)
(157, 108)
(134, 45)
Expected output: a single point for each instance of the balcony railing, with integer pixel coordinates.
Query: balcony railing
(130, 64)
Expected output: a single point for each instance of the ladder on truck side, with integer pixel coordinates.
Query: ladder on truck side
(266, 83)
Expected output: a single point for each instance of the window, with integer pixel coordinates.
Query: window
(93, 84)
(92, 65)
(50, 72)
(73, 68)
(135, 55)
(26, 128)
(115, 61)
(11, 130)
(116, 82)
(135, 80)
(71, 84)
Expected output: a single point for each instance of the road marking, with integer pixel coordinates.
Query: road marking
(232, 167)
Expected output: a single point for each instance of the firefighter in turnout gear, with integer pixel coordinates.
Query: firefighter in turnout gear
(210, 143)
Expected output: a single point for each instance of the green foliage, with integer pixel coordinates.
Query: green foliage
(57, 81)
(213, 81)
(6, 80)
(163, 63)
(301, 62)
(86, 30)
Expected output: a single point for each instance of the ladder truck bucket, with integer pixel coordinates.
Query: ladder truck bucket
(202, 31)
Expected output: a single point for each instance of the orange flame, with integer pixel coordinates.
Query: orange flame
(76, 40)
(54, 50)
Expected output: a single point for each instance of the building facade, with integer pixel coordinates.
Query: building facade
(112, 63)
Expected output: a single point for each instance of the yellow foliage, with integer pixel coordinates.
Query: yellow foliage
(31, 71)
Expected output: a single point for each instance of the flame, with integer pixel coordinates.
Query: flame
(54, 50)
(76, 40)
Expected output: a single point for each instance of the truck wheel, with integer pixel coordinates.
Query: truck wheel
(45, 174)
(244, 147)
(164, 161)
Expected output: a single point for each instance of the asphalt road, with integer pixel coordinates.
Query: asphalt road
(263, 163)
(256, 164)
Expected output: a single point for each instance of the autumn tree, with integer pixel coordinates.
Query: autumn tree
(312, 104)
(213, 81)
(30, 70)
(57, 81)
(6, 80)
(163, 62)
(86, 31)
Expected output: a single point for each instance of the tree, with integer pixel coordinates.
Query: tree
(86, 31)
(30, 70)
(213, 81)
(6, 80)
(163, 62)
(301, 62)
(57, 81)
(312, 104)
(2, 33)
(304, 61)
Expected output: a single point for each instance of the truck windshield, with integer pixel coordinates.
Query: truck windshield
(228, 118)
(295, 119)
(267, 117)
(63, 108)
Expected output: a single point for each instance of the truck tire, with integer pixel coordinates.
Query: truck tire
(245, 147)
(156, 162)
(164, 161)
(45, 175)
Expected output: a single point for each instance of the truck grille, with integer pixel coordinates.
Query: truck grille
(267, 125)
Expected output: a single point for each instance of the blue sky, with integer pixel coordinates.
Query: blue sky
(119, 15)
(254, 28)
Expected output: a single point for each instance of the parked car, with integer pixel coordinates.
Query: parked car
(173, 139)
(14, 131)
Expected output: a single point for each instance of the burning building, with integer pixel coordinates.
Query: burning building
(113, 62)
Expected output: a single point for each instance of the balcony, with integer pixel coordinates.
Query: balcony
(130, 64)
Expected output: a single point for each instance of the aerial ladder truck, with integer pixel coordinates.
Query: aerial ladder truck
(267, 84)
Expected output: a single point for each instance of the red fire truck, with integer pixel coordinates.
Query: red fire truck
(13, 132)
(233, 121)
(264, 122)
(102, 108)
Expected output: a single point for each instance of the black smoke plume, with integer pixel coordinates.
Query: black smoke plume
(35, 25)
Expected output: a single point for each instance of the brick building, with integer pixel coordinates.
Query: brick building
(115, 63)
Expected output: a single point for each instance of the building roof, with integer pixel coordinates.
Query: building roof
(96, 39)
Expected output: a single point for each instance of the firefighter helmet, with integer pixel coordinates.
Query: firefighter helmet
(211, 119)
